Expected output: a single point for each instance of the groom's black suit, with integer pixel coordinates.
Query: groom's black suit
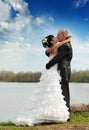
(63, 58)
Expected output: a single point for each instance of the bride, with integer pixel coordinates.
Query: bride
(47, 105)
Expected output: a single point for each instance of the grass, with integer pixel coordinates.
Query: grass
(79, 116)
(78, 121)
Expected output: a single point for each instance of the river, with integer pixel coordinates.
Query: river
(14, 95)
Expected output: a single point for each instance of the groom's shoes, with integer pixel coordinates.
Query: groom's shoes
(68, 120)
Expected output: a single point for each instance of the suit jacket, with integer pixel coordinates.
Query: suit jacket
(63, 58)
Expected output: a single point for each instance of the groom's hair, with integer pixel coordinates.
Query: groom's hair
(64, 32)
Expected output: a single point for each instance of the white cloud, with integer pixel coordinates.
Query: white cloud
(22, 25)
(19, 5)
(81, 3)
(5, 12)
(39, 21)
(7, 23)
(21, 57)
(19, 28)
(80, 54)
(51, 19)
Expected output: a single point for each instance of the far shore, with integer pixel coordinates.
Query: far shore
(81, 76)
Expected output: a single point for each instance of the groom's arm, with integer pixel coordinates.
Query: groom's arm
(62, 53)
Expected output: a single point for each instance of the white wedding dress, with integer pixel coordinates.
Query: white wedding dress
(47, 104)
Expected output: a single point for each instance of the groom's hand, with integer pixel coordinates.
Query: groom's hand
(47, 66)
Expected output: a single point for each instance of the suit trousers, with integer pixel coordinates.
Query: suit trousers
(65, 92)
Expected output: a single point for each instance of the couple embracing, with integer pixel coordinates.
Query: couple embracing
(51, 102)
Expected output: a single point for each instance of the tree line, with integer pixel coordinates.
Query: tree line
(9, 76)
(80, 76)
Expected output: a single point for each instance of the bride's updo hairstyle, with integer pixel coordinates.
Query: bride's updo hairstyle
(46, 42)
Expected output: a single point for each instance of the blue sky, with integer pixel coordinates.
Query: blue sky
(24, 23)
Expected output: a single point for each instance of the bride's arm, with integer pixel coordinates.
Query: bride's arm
(59, 44)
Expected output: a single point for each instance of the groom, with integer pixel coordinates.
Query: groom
(63, 58)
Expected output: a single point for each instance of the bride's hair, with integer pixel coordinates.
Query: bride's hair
(46, 42)
(49, 39)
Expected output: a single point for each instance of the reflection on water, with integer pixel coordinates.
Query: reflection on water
(14, 95)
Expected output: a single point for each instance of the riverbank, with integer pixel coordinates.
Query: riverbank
(79, 108)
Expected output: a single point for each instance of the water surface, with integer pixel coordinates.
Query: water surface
(13, 97)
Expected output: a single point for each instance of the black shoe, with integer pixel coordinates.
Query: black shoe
(68, 120)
